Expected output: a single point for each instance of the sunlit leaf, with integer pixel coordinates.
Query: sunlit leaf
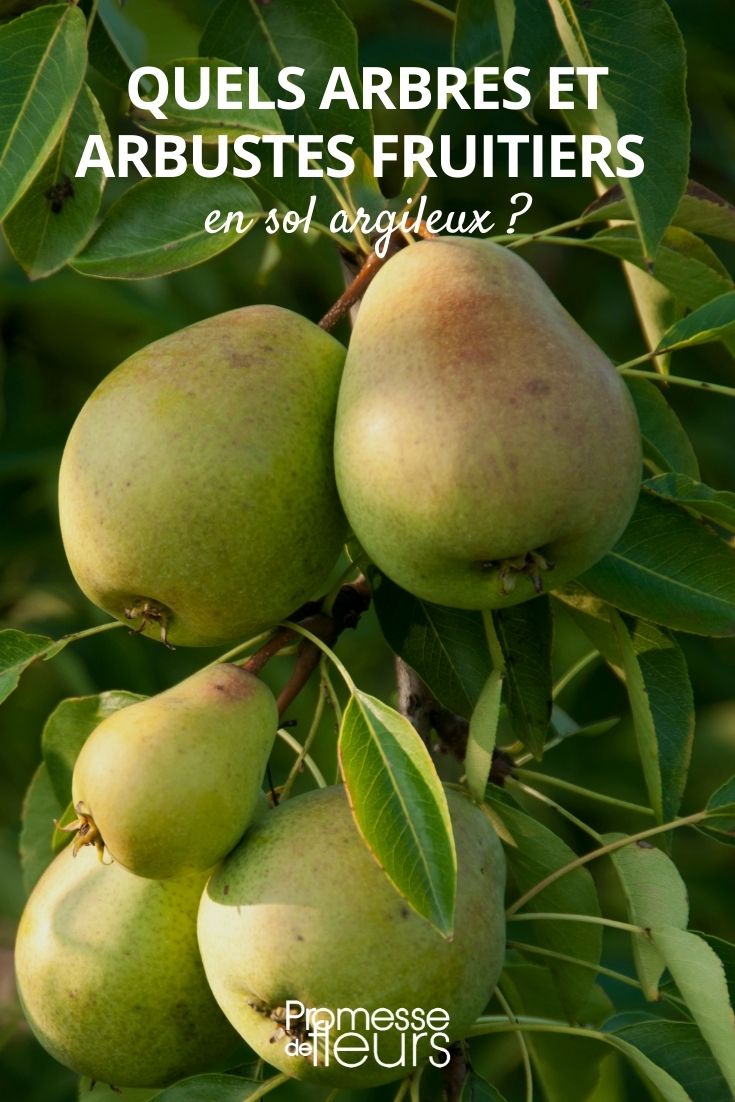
(700, 977)
(157, 226)
(400, 806)
(43, 57)
(655, 892)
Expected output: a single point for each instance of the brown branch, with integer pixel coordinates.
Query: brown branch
(354, 292)
(367, 273)
(276, 643)
(455, 1073)
(307, 661)
(349, 604)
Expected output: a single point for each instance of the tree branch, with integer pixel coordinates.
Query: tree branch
(349, 604)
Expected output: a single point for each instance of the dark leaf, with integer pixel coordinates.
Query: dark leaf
(670, 569)
(445, 646)
(525, 632)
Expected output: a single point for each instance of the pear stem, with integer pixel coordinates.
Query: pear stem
(359, 285)
(354, 292)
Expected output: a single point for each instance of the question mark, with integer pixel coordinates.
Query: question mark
(523, 195)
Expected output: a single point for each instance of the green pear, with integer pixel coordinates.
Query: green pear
(110, 978)
(301, 912)
(196, 491)
(171, 784)
(485, 447)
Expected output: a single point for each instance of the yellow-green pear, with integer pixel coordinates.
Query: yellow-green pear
(301, 913)
(171, 784)
(196, 491)
(485, 446)
(110, 978)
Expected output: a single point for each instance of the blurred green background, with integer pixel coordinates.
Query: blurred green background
(62, 335)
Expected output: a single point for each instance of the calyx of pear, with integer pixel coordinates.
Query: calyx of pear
(196, 492)
(302, 911)
(486, 449)
(110, 978)
(171, 784)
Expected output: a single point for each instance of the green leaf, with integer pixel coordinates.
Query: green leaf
(723, 800)
(669, 568)
(445, 646)
(703, 211)
(154, 32)
(726, 952)
(656, 307)
(715, 505)
(68, 728)
(315, 35)
(657, 682)
(684, 263)
(57, 214)
(105, 57)
(593, 617)
(43, 57)
(644, 93)
(477, 1089)
(529, 39)
(60, 837)
(476, 36)
(17, 651)
(655, 892)
(525, 633)
(700, 977)
(534, 852)
(293, 192)
(363, 188)
(482, 734)
(198, 1088)
(40, 808)
(678, 1048)
(400, 806)
(700, 211)
(663, 1084)
(721, 804)
(208, 121)
(99, 1092)
(711, 322)
(666, 445)
(157, 226)
(208, 1088)
(530, 990)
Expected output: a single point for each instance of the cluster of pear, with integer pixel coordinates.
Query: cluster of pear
(484, 448)
(477, 440)
(135, 980)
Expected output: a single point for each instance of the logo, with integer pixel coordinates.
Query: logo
(351, 1036)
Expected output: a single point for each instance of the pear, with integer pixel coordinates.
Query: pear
(301, 911)
(170, 785)
(110, 978)
(485, 446)
(196, 491)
